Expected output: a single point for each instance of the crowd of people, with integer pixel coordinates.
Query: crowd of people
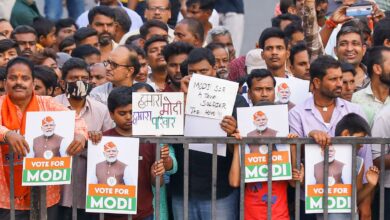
(94, 60)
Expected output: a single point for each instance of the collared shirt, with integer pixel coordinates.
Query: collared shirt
(53, 192)
(97, 118)
(136, 20)
(381, 128)
(100, 93)
(369, 103)
(94, 113)
(366, 80)
(305, 117)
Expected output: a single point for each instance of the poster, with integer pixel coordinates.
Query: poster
(210, 97)
(201, 127)
(265, 121)
(158, 113)
(339, 179)
(112, 176)
(291, 90)
(48, 135)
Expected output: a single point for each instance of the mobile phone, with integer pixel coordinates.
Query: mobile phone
(359, 10)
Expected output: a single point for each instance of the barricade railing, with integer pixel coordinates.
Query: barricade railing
(38, 195)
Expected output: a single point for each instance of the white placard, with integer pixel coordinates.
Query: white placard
(198, 127)
(48, 135)
(291, 90)
(265, 121)
(158, 113)
(112, 176)
(339, 178)
(210, 97)
(277, 120)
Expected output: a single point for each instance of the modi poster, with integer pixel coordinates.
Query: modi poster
(291, 91)
(210, 97)
(339, 178)
(265, 121)
(112, 176)
(48, 134)
(158, 113)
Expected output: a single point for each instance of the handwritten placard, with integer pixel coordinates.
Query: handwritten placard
(210, 97)
(158, 113)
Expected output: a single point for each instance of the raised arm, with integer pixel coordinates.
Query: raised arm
(312, 30)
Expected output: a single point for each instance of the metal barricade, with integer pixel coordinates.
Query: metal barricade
(38, 195)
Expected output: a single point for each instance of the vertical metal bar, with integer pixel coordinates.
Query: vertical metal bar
(185, 174)
(101, 216)
(382, 184)
(214, 183)
(298, 184)
(74, 187)
(242, 181)
(326, 186)
(129, 217)
(12, 183)
(269, 182)
(34, 203)
(157, 196)
(354, 174)
(42, 203)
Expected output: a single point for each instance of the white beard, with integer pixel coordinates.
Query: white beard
(331, 159)
(261, 128)
(111, 159)
(48, 134)
(283, 100)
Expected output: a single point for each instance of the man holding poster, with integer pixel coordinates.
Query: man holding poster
(318, 115)
(202, 61)
(112, 171)
(19, 100)
(49, 144)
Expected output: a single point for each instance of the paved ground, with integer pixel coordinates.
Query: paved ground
(258, 14)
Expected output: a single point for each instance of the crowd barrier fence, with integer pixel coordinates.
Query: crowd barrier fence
(38, 198)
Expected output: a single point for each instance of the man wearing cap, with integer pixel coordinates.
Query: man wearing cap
(253, 60)
(260, 121)
(49, 144)
(284, 94)
(112, 171)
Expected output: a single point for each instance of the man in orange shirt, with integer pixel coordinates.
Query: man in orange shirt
(19, 100)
